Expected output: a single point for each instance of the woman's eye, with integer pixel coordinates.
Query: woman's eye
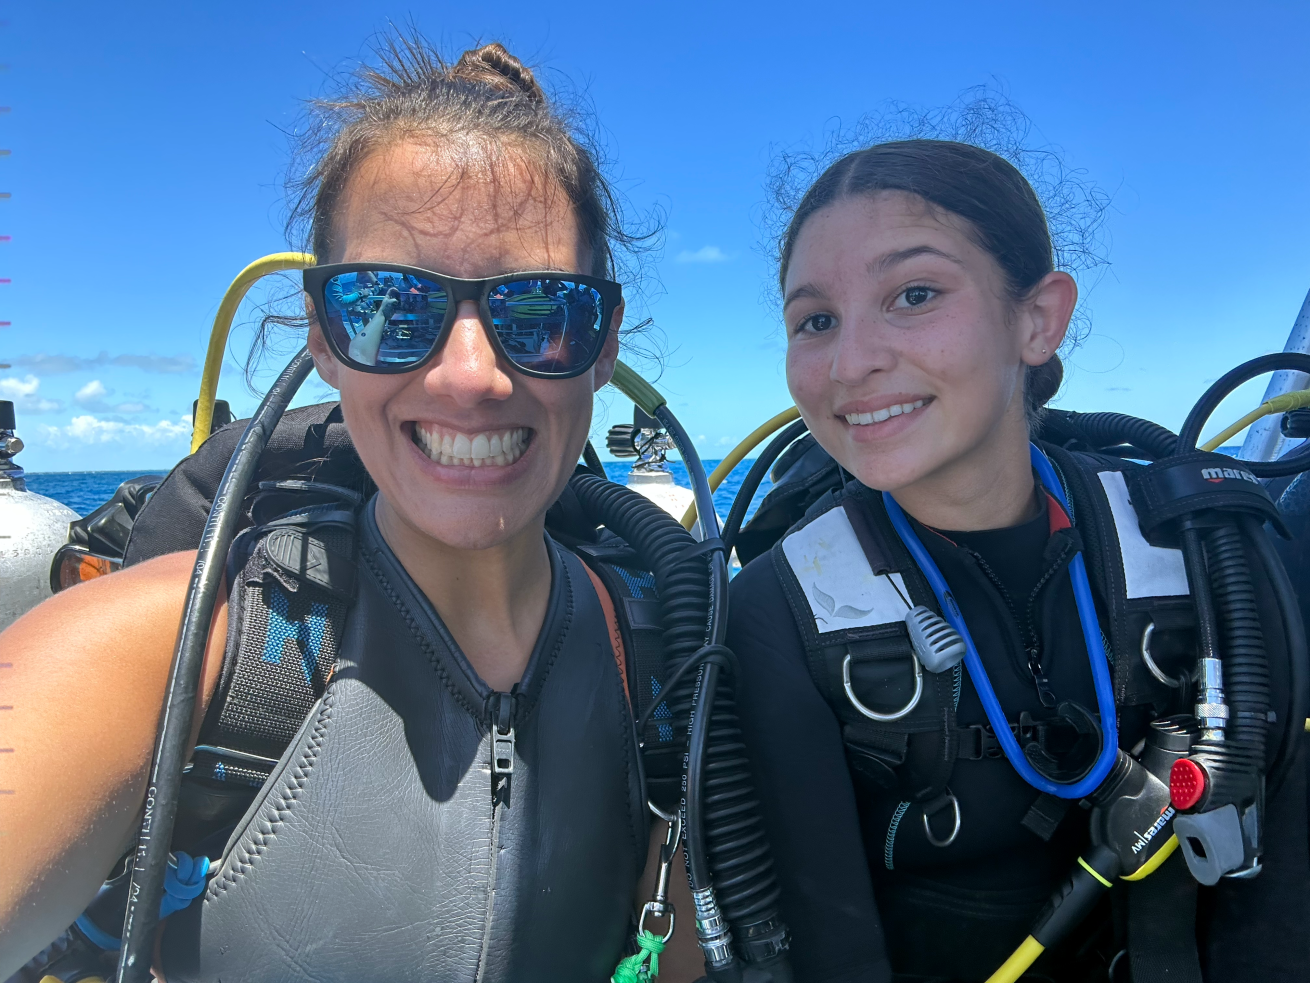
(817, 323)
(914, 297)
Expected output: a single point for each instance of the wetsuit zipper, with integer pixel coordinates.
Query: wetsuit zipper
(501, 709)
(1030, 638)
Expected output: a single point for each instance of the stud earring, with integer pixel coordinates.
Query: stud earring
(1043, 351)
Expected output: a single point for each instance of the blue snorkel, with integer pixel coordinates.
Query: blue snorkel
(1082, 591)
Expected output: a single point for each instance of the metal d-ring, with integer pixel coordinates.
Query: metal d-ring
(955, 830)
(1149, 662)
(874, 714)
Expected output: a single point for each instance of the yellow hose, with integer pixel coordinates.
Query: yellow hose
(1285, 403)
(738, 454)
(1019, 961)
(637, 389)
(223, 324)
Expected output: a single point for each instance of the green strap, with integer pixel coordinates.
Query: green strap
(633, 969)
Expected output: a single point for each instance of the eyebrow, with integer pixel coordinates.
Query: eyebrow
(885, 263)
(804, 291)
(880, 265)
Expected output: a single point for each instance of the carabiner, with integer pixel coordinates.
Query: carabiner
(658, 906)
(874, 714)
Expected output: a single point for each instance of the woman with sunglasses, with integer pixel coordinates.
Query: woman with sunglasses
(943, 657)
(465, 799)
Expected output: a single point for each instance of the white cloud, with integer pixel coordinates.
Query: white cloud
(15, 388)
(93, 392)
(23, 393)
(705, 254)
(58, 364)
(92, 397)
(90, 429)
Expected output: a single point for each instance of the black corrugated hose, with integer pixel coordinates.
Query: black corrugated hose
(726, 844)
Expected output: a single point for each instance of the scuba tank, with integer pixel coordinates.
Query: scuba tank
(32, 528)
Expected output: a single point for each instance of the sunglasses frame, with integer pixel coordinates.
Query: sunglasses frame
(316, 279)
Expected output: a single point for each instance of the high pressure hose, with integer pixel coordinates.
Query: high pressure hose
(172, 746)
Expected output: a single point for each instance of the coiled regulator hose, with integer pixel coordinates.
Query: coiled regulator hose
(739, 862)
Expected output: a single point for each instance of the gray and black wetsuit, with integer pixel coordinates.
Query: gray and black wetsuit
(376, 850)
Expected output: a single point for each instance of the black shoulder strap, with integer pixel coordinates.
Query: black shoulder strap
(292, 581)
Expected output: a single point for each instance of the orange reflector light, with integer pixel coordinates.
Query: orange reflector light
(73, 565)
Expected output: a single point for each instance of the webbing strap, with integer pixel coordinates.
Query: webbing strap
(1162, 925)
(287, 608)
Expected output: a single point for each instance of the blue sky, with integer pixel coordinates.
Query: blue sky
(148, 149)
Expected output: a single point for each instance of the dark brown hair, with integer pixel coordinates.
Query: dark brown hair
(1002, 212)
(486, 96)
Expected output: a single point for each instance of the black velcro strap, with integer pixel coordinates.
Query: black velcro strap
(1162, 925)
(1191, 483)
(1045, 815)
(705, 546)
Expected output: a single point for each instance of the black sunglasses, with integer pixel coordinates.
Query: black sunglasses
(382, 318)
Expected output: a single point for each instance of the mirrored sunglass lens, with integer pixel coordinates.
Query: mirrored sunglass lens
(547, 325)
(384, 318)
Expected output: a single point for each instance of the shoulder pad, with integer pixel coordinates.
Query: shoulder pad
(836, 578)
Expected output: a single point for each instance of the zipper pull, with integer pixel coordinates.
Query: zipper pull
(1044, 691)
(502, 747)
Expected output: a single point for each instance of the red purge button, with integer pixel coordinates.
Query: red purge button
(1186, 783)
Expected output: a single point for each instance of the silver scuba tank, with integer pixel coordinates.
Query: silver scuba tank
(32, 528)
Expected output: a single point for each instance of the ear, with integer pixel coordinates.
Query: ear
(1048, 308)
(603, 370)
(329, 369)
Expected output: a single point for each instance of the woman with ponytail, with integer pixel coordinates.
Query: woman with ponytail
(924, 312)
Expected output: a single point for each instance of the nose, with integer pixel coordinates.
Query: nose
(861, 350)
(466, 369)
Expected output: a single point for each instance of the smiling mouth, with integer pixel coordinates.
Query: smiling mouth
(878, 416)
(487, 449)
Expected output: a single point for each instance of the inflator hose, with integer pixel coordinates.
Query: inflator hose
(150, 861)
(735, 856)
(1246, 667)
(1111, 429)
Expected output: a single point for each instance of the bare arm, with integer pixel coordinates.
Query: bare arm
(84, 674)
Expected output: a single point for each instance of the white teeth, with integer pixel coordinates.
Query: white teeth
(878, 416)
(479, 450)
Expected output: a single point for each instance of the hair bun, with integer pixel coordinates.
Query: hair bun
(494, 66)
(1043, 382)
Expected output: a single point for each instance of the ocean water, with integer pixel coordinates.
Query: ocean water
(83, 491)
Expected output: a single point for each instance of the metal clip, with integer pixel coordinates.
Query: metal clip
(658, 906)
